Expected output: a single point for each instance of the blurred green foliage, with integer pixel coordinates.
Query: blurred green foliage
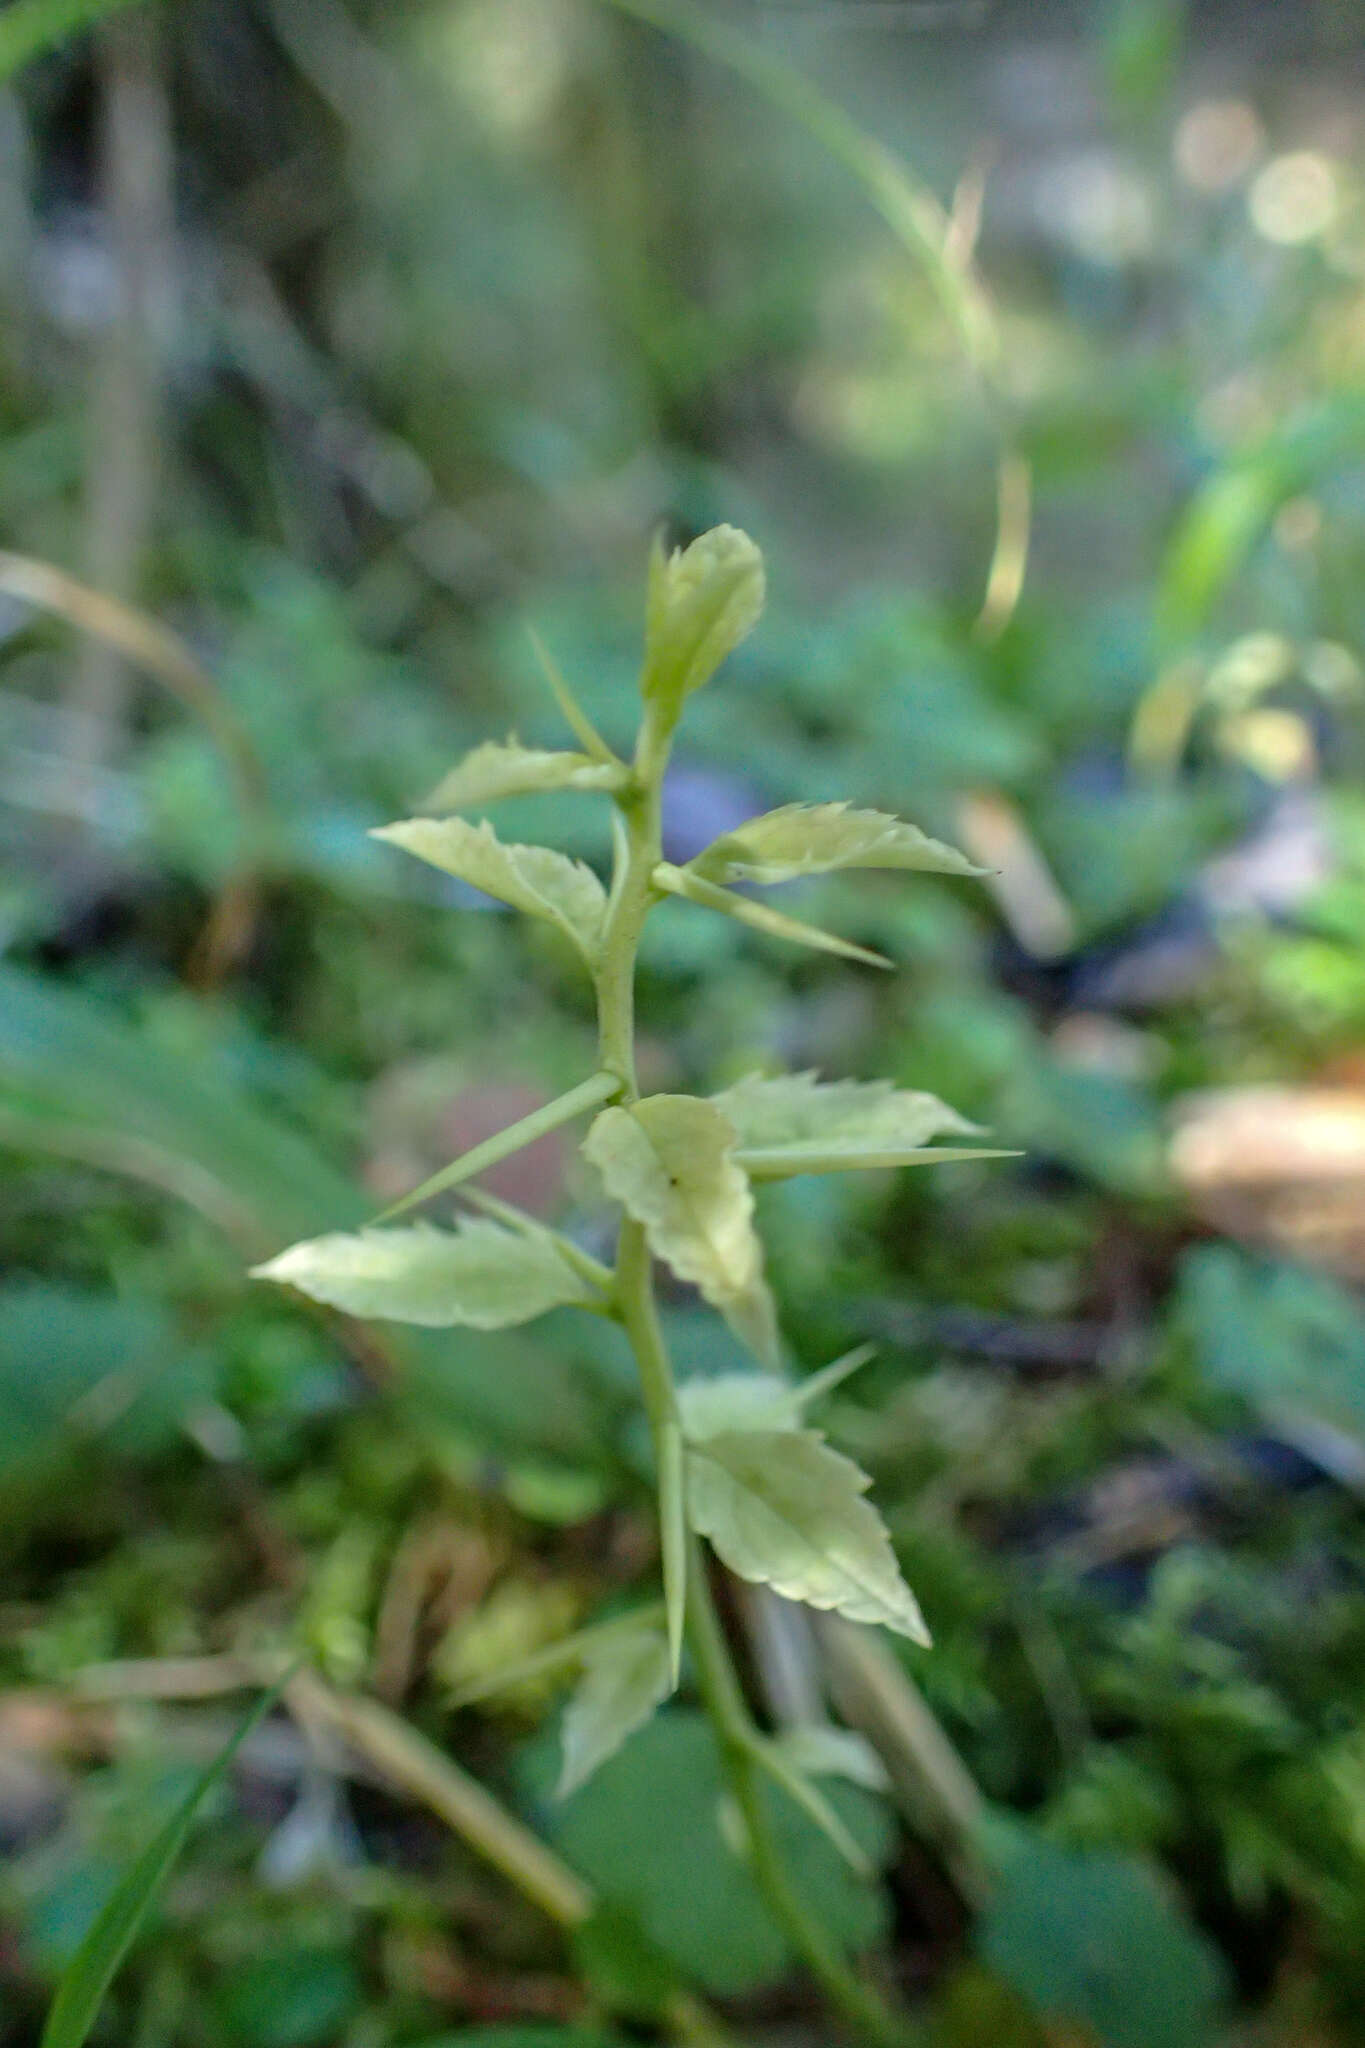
(464, 299)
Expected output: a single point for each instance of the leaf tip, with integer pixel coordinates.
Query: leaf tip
(912, 1625)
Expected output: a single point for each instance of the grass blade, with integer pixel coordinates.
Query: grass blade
(907, 205)
(91, 1970)
(923, 227)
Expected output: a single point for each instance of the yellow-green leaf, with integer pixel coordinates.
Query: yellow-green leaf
(815, 839)
(626, 1675)
(479, 1274)
(503, 1144)
(759, 1400)
(782, 1509)
(702, 601)
(670, 1161)
(800, 1786)
(671, 1456)
(736, 1400)
(566, 1656)
(574, 716)
(506, 768)
(797, 1123)
(535, 879)
(761, 916)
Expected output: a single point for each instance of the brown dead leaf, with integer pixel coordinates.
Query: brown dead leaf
(1279, 1166)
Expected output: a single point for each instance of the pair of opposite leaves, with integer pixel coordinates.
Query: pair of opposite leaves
(777, 1504)
(701, 602)
(781, 1509)
(781, 846)
(682, 1166)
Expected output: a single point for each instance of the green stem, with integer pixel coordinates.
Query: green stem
(687, 1593)
(635, 1300)
(633, 895)
(738, 1739)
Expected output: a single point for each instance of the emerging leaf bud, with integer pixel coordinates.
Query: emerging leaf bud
(703, 600)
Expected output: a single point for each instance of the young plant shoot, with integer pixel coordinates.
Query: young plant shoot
(737, 1464)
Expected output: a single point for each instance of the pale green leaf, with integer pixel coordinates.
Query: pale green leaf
(758, 1400)
(479, 1274)
(674, 1534)
(817, 839)
(800, 1786)
(735, 1400)
(818, 1159)
(503, 1144)
(670, 1161)
(506, 768)
(626, 1675)
(782, 1509)
(769, 1113)
(818, 1384)
(535, 879)
(761, 916)
(568, 1655)
(645, 1833)
(702, 601)
(574, 716)
(589, 1269)
(797, 1123)
(819, 1751)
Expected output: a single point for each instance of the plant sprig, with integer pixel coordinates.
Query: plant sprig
(739, 1468)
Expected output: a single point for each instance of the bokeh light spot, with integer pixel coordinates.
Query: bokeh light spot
(1294, 199)
(1216, 144)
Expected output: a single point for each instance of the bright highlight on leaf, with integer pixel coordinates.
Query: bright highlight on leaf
(797, 1123)
(670, 1161)
(702, 601)
(626, 1675)
(531, 878)
(782, 1509)
(479, 1274)
(761, 916)
(499, 769)
(817, 839)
